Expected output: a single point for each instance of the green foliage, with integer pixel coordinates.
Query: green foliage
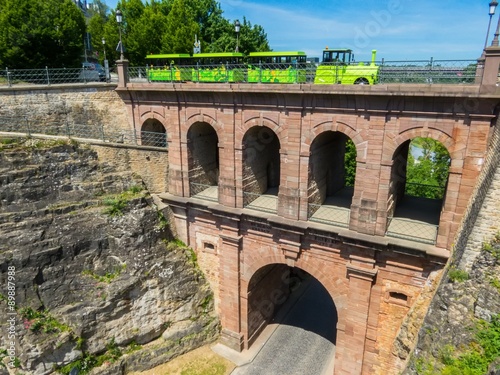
(106, 278)
(427, 175)
(41, 321)
(456, 275)
(39, 33)
(162, 221)
(116, 204)
(350, 163)
(495, 282)
(492, 247)
(90, 361)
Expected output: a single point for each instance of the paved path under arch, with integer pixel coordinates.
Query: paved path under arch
(303, 342)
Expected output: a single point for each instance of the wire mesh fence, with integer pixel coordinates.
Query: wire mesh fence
(329, 214)
(429, 71)
(52, 76)
(88, 131)
(412, 230)
(260, 202)
(204, 191)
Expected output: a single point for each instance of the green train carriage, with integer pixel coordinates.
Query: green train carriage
(172, 67)
(218, 67)
(277, 67)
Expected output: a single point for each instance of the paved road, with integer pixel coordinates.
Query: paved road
(303, 343)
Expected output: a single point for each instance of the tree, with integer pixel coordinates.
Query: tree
(350, 163)
(180, 30)
(427, 175)
(39, 33)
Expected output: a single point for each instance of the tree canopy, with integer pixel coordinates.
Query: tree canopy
(427, 168)
(39, 33)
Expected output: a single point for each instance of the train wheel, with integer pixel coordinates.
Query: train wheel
(361, 81)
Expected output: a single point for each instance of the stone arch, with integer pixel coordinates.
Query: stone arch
(263, 122)
(336, 289)
(341, 127)
(201, 118)
(394, 143)
(152, 114)
(153, 133)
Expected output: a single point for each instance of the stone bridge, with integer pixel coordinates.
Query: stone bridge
(258, 187)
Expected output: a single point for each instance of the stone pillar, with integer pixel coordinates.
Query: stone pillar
(361, 273)
(491, 66)
(289, 194)
(122, 69)
(229, 284)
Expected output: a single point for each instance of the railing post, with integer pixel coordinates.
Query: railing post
(490, 70)
(260, 71)
(431, 63)
(171, 72)
(28, 126)
(147, 73)
(197, 71)
(47, 73)
(381, 70)
(8, 77)
(122, 69)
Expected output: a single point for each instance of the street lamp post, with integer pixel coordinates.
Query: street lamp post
(106, 65)
(119, 20)
(493, 7)
(237, 30)
(104, 47)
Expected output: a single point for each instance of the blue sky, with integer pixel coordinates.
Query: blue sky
(397, 29)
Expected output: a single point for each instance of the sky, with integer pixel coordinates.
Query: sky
(399, 30)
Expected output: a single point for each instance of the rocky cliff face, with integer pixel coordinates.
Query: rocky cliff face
(98, 283)
(461, 332)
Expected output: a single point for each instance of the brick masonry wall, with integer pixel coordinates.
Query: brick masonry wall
(67, 105)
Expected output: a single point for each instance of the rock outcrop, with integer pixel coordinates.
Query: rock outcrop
(100, 285)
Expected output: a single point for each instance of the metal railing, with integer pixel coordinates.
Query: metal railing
(89, 131)
(418, 71)
(328, 214)
(50, 76)
(204, 191)
(260, 202)
(412, 230)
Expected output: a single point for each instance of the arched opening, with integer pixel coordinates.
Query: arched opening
(153, 133)
(332, 172)
(261, 169)
(301, 318)
(417, 191)
(203, 161)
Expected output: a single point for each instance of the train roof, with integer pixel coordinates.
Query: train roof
(218, 54)
(277, 53)
(168, 56)
(338, 49)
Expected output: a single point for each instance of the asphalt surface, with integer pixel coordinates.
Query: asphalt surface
(304, 341)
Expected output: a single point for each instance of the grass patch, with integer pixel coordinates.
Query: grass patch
(116, 204)
(108, 277)
(456, 275)
(41, 321)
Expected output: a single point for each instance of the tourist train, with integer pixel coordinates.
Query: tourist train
(337, 67)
